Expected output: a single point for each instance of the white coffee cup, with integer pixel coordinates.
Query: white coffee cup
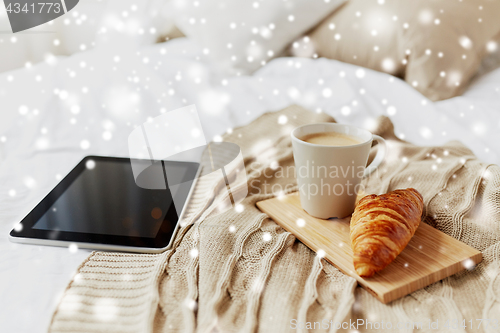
(328, 176)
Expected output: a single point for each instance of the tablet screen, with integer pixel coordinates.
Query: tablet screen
(100, 200)
(104, 199)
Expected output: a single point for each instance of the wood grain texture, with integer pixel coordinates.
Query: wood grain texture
(430, 256)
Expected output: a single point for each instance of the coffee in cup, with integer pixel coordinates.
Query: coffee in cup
(331, 139)
(330, 161)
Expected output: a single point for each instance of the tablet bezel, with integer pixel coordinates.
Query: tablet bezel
(161, 242)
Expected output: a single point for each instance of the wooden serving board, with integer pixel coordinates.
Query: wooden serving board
(430, 256)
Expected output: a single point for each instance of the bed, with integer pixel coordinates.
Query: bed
(50, 120)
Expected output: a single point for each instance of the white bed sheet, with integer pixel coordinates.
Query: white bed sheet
(54, 114)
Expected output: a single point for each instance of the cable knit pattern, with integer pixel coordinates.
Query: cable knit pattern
(240, 272)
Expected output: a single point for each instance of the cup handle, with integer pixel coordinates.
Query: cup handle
(379, 157)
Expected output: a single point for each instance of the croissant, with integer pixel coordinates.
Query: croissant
(382, 226)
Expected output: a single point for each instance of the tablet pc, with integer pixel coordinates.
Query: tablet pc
(99, 206)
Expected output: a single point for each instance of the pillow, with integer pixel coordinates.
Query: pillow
(491, 61)
(436, 46)
(133, 23)
(242, 35)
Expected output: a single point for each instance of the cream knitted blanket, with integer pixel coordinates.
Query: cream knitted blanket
(240, 272)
